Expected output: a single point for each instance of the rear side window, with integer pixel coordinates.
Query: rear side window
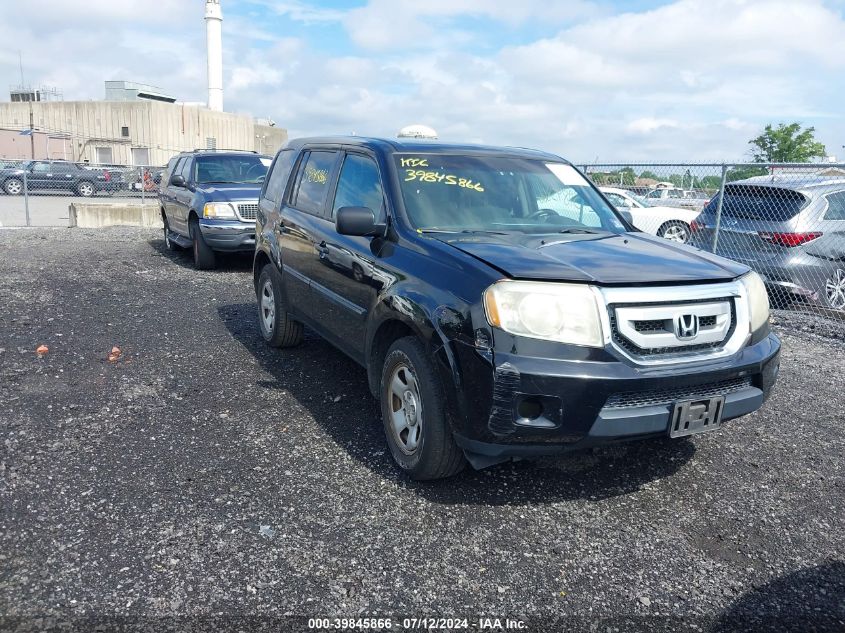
(359, 185)
(750, 202)
(835, 206)
(278, 178)
(314, 180)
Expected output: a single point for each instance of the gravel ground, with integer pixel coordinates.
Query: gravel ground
(203, 480)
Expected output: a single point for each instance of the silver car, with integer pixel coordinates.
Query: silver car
(791, 230)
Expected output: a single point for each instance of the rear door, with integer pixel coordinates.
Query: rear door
(182, 196)
(301, 215)
(830, 244)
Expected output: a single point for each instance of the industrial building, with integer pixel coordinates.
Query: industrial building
(136, 124)
(139, 132)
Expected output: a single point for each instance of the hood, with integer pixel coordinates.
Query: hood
(224, 192)
(630, 258)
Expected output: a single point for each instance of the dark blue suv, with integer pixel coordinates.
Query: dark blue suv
(209, 200)
(500, 304)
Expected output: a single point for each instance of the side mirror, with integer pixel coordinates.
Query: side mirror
(360, 221)
(178, 180)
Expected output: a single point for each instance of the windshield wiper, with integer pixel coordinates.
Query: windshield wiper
(221, 182)
(488, 232)
(578, 229)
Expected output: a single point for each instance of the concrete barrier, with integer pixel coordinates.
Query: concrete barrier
(93, 215)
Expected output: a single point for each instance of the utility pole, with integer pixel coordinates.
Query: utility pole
(31, 132)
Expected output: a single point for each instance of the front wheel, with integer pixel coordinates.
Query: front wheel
(277, 328)
(415, 414)
(675, 231)
(85, 189)
(834, 290)
(204, 258)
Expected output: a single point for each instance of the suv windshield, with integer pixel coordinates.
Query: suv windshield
(450, 192)
(230, 169)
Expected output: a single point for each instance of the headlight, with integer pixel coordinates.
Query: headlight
(218, 210)
(567, 313)
(758, 300)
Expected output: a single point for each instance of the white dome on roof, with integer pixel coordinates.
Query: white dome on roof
(417, 131)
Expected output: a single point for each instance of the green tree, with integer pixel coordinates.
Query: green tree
(649, 174)
(786, 144)
(741, 173)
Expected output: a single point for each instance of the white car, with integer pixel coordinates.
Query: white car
(673, 223)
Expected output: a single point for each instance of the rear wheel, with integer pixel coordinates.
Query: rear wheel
(834, 290)
(85, 189)
(171, 245)
(675, 231)
(13, 186)
(415, 414)
(204, 258)
(277, 327)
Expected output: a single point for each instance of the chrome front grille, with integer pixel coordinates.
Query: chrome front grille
(649, 329)
(247, 211)
(628, 399)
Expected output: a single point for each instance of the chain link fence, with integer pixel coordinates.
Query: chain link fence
(22, 179)
(786, 221)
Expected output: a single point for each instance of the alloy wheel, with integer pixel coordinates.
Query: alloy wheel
(86, 189)
(268, 307)
(676, 233)
(834, 289)
(405, 406)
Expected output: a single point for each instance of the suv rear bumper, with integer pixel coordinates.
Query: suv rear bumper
(592, 403)
(228, 235)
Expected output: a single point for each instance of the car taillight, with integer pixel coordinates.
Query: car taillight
(789, 239)
(106, 175)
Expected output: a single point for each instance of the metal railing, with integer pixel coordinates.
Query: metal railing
(784, 220)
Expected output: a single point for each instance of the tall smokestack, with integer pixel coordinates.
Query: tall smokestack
(214, 36)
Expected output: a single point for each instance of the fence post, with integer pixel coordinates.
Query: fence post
(143, 183)
(719, 207)
(26, 197)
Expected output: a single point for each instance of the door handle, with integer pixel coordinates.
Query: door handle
(322, 248)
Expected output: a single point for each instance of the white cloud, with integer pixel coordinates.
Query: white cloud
(692, 79)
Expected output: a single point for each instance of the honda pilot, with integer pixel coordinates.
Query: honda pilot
(499, 304)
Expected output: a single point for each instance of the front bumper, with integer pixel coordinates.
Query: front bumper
(592, 402)
(228, 235)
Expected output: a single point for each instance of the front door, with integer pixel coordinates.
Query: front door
(346, 281)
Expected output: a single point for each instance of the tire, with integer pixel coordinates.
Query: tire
(675, 231)
(204, 257)
(357, 273)
(278, 329)
(85, 189)
(13, 186)
(170, 244)
(833, 293)
(424, 448)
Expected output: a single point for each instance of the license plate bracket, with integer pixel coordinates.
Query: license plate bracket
(690, 417)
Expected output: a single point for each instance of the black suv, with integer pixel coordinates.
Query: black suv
(499, 303)
(44, 175)
(208, 201)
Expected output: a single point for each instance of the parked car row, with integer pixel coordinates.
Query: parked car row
(500, 305)
(59, 176)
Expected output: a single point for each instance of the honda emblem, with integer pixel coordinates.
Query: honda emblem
(686, 326)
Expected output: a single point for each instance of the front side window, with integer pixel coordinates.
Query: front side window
(359, 185)
(247, 169)
(835, 206)
(653, 195)
(464, 193)
(314, 180)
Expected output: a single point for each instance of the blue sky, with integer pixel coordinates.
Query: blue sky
(593, 80)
